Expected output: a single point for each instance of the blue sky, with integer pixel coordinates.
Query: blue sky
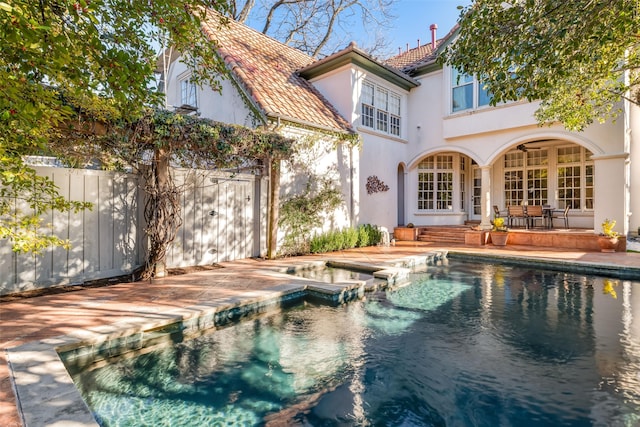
(412, 22)
(415, 16)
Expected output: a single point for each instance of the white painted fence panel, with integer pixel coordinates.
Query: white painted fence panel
(104, 240)
(109, 240)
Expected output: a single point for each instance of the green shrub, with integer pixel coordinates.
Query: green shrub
(318, 243)
(368, 235)
(363, 237)
(350, 237)
(346, 238)
(336, 240)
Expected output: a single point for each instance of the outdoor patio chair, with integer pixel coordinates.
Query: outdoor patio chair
(564, 215)
(534, 213)
(496, 211)
(516, 214)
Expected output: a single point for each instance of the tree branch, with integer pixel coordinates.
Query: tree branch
(244, 13)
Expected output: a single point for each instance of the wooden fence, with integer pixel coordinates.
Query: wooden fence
(224, 218)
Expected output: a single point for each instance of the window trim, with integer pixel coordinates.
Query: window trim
(583, 163)
(380, 118)
(476, 85)
(432, 188)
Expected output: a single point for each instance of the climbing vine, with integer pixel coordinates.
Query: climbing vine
(159, 140)
(300, 214)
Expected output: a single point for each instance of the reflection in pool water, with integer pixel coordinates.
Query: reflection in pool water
(464, 345)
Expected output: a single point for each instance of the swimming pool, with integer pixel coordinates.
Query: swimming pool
(466, 344)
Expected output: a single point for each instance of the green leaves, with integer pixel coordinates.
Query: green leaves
(190, 141)
(572, 56)
(98, 56)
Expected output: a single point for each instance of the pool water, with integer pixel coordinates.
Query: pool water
(464, 345)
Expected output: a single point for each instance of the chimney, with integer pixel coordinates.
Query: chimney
(433, 29)
(418, 43)
(407, 48)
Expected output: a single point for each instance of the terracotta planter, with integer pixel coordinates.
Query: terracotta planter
(499, 238)
(607, 244)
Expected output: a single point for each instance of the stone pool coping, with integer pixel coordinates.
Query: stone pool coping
(47, 396)
(630, 272)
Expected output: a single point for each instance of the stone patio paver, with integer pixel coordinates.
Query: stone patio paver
(32, 319)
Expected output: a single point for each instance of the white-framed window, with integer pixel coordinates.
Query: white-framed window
(467, 92)
(435, 183)
(526, 177)
(537, 177)
(188, 93)
(575, 177)
(380, 109)
(513, 178)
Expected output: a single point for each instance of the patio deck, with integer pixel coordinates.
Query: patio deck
(26, 320)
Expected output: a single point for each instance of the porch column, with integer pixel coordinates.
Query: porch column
(611, 184)
(485, 197)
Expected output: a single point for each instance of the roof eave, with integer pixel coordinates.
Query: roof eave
(303, 123)
(426, 68)
(352, 55)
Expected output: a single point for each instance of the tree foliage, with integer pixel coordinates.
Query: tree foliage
(579, 58)
(56, 54)
(317, 26)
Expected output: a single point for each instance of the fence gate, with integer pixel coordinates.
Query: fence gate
(218, 220)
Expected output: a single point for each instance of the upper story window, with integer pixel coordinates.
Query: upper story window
(380, 109)
(467, 92)
(188, 93)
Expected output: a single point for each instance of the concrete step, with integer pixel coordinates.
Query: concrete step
(442, 234)
(441, 239)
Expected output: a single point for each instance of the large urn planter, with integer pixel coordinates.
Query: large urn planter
(499, 238)
(607, 244)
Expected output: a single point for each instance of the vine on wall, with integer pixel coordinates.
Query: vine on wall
(302, 213)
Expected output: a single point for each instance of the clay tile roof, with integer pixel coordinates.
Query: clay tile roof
(410, 57)
(421, 55)
(267, 69)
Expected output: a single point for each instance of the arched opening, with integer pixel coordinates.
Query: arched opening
(551, 172)
(444, 185)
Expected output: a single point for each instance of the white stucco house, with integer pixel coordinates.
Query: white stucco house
(432, 152)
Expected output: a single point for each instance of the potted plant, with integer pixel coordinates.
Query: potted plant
(499, 233)
(608, 239)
